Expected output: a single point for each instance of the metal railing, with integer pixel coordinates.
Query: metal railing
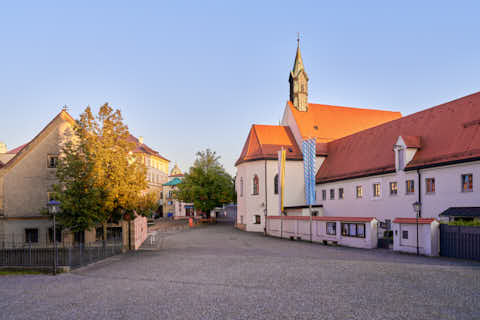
(43, 254)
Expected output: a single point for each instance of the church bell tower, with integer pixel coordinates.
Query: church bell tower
(299, 83)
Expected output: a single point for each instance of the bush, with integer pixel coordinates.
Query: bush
(465, 223)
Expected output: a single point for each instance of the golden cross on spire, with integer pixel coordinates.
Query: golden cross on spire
(298, 39)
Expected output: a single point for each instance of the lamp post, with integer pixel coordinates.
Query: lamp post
(53, 207)
(417, 207)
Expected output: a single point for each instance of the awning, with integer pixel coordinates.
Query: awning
(461, 212)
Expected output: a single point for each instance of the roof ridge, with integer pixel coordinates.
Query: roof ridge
(24, 149)
(439, 147)
(258, 141)
(439, 105)
(403, 118)
(352, 108)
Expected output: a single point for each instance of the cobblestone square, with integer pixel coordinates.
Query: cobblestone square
(217, 272)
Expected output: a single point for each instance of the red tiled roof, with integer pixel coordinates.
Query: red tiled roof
(412, 141)
(413, 220)
(17, 149)
(264, 141)
(143, 148)
(447, 133)
(289, 217)
(343, 219)
(321, 149)
(327, 123)
(349, 219)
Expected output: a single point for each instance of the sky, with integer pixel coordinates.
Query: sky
(191, 75)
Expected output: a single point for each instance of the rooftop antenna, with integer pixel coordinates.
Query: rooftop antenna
(65, 108)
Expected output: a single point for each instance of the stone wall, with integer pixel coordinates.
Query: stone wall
(138, 231)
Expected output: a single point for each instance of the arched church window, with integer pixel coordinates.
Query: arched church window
(255, 185)
(275, 184)
(241, 187)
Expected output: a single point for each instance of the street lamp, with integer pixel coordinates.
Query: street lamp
(417, 207)
(53, 207)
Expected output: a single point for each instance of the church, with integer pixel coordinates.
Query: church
(371, 166)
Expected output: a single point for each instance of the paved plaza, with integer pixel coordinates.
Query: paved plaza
(216, 272)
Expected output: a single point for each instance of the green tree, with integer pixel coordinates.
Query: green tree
(207, 185)
(100, 179)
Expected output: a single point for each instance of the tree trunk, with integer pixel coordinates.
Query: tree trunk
(104, 226)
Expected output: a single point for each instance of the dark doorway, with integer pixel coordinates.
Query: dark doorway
(79, 237)
(114, 233)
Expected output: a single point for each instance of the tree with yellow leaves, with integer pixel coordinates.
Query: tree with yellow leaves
(100, 180)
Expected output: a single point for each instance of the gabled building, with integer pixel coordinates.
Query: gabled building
(157, 167)
(27, 176)
(257, 179)
(377, 172)
(26, 182)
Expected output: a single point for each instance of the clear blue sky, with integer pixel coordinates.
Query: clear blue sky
(192, 75)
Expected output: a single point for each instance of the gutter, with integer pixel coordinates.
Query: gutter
(441, 164)
(419, 192)
(266, 201)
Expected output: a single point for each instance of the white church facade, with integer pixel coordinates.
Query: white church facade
(371, 167)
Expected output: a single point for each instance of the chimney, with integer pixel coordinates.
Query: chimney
(3, 147)
(140, 139)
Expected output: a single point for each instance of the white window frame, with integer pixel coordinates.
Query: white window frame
(462, 184)
(406, 187)
(331, 223)
(375, 196)
(357, 196)
(390, 188)
(434, 185)
(49, 160)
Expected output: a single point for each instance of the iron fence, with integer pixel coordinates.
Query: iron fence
(43, 254)
(460, 242)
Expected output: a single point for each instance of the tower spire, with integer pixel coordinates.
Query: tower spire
(298, 64)
(299, 81)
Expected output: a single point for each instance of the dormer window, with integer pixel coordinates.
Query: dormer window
(405, 149)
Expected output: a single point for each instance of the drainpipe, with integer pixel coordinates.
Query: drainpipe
(419, 192)
(419, 213)
(266, 201)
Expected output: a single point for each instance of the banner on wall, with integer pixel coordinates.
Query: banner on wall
(309, 152)
(282, 154)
